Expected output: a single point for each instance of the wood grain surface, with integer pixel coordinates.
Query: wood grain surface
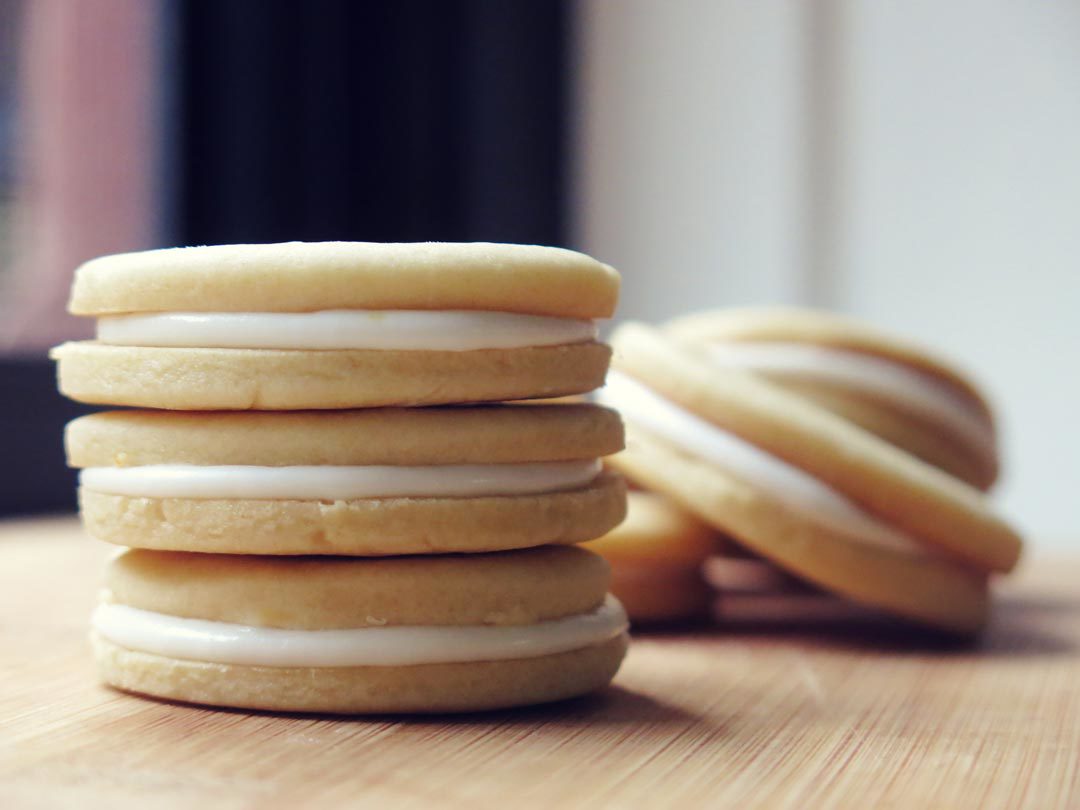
(833, 715)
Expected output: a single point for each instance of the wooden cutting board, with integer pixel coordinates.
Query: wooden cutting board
(834, 715)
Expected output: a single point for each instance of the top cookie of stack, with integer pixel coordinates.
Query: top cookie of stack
(337, 325)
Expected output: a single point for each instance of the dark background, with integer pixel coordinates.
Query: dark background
(411, 120)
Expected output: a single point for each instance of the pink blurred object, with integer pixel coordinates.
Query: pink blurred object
(753, 591)
(87, 140)
(748, 575)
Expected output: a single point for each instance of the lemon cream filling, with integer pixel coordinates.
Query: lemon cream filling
(224, 643)
(407, 330)
(339, 483)
(797, 490)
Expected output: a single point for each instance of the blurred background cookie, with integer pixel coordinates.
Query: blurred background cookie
(799, 486)
(656, 558)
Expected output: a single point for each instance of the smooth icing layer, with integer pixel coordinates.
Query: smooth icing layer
(339, 483)
(451, 331)
(911, 390)
(222, 643)
(794, 488)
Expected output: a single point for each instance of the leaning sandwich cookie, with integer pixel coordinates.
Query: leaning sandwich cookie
(803, 488)
(656, 557)
(337, 325)
(895, 389)
(405, 634)
(366, 482)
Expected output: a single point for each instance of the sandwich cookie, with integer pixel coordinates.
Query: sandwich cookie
(337, 325)
(367, 482)
(325, 634)
(656, 556)
(823, 499)
(892, 388)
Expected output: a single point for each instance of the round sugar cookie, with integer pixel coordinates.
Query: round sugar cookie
(430, 634)
(337, 325)
(923, 587)
(422, 689)
(450, 435)
(189, 379)
(895, 389)
(656, 556)
(930, 506)
(312, 276)
(334, 593)
(367, 483)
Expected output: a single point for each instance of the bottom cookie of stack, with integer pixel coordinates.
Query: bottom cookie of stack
(345, 635)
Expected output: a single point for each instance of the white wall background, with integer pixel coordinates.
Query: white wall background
(916, 163)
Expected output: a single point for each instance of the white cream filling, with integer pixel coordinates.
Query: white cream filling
(796, 489)
(345, 329)
(911, 390)
(223, 643)
(339, 483)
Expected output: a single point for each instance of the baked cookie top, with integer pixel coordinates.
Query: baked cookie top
(313, 276)
(885, 482)
(322, 593)
(492, 434)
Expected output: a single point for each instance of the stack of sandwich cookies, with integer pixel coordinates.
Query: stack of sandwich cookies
(805, 489)
(443, 580)
(337, 325)
(656, 557)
